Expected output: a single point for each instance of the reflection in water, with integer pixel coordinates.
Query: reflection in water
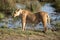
(9, 22)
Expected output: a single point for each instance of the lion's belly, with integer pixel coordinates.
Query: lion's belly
(33, 20)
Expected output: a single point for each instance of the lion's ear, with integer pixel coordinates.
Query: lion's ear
(16, 9)
(21, 9)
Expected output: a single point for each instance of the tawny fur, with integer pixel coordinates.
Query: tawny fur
(34, 18)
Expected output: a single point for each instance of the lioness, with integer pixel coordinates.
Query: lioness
(34, 18)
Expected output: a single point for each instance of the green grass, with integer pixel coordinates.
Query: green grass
(2, 15)
(11, 31)
(6, 33)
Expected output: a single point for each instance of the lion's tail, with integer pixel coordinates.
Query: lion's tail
(48, 19)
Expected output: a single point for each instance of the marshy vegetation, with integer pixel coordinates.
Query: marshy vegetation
(17, 34)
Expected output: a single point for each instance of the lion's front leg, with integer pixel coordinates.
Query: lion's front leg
(23, 22)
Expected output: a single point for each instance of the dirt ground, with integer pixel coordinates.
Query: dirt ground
(12, 34)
